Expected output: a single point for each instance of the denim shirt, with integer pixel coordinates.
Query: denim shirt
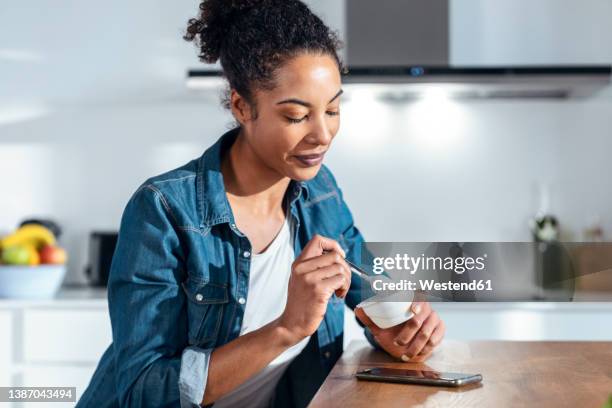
(178, 286)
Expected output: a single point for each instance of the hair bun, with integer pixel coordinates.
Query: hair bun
(210, 28)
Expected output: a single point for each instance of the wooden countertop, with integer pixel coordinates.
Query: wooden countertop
(517, 374)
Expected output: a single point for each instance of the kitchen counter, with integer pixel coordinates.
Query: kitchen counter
(518, 374)
(66, 297)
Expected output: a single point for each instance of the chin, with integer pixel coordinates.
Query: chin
(304, 174)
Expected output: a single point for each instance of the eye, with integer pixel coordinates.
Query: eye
(294, 120)
(333, 113)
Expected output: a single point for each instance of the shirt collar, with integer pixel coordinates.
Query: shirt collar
(213, 205)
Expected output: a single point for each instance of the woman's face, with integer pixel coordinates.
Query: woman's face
(297, 120)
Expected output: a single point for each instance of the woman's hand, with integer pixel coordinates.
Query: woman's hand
(413, 340)
(315, 277)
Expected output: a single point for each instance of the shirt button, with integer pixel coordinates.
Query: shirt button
(242, 301)
(246, 254)
(327, 354)
(199, 297)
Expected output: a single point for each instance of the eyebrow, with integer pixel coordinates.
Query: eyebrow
(307, 104)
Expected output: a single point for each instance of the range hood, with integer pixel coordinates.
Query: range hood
(402, 49)
(490, 82)
(407, 45)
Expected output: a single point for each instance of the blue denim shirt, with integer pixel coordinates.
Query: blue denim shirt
(178, 286)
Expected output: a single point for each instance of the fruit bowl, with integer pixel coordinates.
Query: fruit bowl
(31, 282)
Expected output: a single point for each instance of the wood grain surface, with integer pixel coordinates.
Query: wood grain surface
(515, 374)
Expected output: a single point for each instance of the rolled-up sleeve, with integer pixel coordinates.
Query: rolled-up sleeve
(155, 366)
(194, 370)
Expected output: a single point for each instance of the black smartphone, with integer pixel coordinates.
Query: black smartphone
(400, 375)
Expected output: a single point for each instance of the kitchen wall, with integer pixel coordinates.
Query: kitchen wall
(93, 102)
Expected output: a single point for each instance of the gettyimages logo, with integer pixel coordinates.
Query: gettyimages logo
(412, 264)
(485, 271)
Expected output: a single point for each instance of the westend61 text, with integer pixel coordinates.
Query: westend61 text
(430, 284)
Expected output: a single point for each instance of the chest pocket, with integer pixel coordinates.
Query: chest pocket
(205, 304)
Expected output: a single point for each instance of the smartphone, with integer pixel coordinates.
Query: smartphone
(400, 375)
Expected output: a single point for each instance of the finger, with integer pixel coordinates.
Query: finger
(329, 285)
(329, 244)
(434, 341)
(339, 259)
(343, 291)
(325, 272)
(437, 336)
(422, 337)
(412, 326)
(321, 261)
(419, 358)
(347, 273)
(317, 245)
(417, 306)
(363, 318)
(423, 355)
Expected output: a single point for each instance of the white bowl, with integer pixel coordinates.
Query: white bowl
(30, 282)
(388, 313)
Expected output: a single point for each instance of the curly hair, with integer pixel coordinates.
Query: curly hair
(253, 38)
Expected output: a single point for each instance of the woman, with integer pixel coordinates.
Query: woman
(228, 283)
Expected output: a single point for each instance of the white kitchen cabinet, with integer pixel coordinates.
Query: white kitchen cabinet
(69, 335)
(54, 343)
(6, 344)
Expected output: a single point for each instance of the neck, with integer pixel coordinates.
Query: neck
(247, 179)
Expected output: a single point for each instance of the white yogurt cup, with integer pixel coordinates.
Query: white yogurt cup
(388, 313)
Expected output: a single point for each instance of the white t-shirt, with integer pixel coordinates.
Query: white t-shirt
(268, 283)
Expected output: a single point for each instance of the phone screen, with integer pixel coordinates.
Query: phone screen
(397, 372)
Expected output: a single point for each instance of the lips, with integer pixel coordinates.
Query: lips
(309, 160)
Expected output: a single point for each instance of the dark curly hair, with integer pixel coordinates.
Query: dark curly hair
(252, 38)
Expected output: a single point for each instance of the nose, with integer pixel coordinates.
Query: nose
(319, 133)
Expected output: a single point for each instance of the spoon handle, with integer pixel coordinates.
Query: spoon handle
(355, 269)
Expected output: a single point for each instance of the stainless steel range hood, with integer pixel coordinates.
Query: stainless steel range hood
(402, 50)
(406, 44)
(489, 82)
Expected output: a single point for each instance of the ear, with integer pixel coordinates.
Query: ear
(241, 109)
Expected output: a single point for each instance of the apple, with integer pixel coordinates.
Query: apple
(51, 254)
(16, 255)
